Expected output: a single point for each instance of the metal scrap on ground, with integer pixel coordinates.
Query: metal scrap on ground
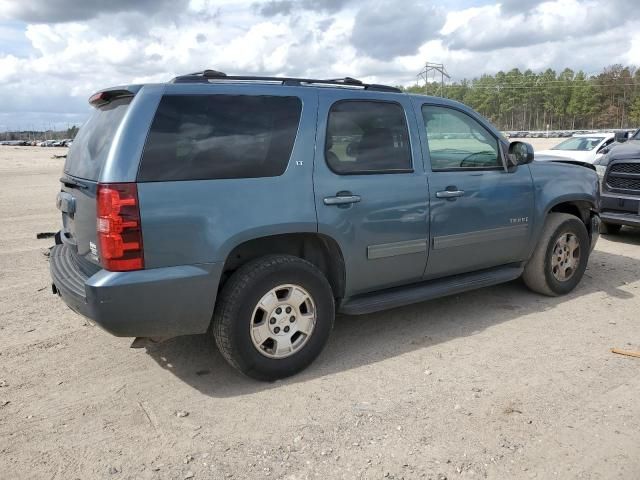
(42, 235)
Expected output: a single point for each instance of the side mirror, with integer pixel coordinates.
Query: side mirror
(520, 153)
(620, 137)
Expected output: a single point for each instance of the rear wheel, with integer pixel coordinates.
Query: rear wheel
(273, 316)
(609, 228)
(560, 258)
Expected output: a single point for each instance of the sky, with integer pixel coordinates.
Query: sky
(55, 53)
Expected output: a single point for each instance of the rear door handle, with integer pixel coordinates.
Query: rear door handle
(450, 193)
(341, 199)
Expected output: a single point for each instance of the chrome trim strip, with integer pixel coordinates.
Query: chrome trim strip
(462, 239)
(384, 250)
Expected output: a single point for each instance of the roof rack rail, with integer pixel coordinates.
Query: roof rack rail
(206, 76)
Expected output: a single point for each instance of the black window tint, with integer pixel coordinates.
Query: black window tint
(458, 141)
(197, 137)
(367, 137)
(92, 143)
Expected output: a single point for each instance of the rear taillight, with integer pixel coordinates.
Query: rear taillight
(119, 232)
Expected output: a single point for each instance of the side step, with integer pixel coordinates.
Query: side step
(420, 292)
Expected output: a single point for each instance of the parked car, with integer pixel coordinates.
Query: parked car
(620, 172)
(258, 207)
(584, 147)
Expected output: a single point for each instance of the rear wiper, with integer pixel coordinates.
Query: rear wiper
(69, 182)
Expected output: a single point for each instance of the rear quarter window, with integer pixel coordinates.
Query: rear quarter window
(199, 137)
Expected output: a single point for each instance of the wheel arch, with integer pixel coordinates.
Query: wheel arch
(583, 208)
(579, 208)
(319, 249)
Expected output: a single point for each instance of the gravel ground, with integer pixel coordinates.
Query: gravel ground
(499, 383)
(540, 143)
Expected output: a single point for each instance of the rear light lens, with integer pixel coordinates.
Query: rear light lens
(119, 232)
(98, 99)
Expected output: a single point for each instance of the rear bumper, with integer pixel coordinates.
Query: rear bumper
(159, 302)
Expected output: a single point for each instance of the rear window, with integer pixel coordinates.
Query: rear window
(92, 143)
(198, 137)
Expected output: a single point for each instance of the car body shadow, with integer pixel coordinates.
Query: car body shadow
(365, 340)
(629, 235)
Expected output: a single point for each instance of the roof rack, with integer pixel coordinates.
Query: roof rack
(206, 76)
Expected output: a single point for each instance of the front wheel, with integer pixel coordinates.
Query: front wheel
(560, 258)
(273, 316)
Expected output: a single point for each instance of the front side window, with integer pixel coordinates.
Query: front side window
(457, 141)
(202, 137)
(367, 137)
(605, 144)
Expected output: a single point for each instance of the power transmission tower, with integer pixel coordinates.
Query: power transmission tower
(435, 69)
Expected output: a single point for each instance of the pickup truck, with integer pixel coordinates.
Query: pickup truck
(620, 171)
(257, 208)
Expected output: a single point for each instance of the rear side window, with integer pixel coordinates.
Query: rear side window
(199, 137)
(92, 143)
(367, 137)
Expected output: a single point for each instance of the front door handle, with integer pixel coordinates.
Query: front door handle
(450, 193)
(342, 198)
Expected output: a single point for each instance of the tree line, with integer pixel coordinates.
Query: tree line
(36, 135)
(568, 100)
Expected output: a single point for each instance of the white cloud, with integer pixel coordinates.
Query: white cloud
(385, 33)
(490, 28)
(58, 60)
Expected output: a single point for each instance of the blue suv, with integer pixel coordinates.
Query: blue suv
(257, 208)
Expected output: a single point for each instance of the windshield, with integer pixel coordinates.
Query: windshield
(580, 144)
(92, 143)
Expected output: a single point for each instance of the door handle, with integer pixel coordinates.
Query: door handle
(450, 193)
(342, 199)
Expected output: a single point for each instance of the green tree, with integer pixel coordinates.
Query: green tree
(517, 100)
(634, 112)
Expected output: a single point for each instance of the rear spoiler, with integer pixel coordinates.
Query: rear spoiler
(103, 97)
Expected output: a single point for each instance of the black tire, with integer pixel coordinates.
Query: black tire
(239, 297)
(538, 274)
(609, 228)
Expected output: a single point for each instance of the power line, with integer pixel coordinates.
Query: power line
(537, 86)
(537, 80)
(435, 68)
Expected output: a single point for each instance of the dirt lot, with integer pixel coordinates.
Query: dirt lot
(498, 383)
(540, 143)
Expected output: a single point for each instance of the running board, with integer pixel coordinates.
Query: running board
(420, 292)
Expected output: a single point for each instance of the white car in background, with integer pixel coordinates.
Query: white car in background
(583, 147)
